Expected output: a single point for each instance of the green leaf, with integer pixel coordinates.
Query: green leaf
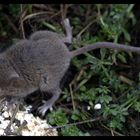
(75, 117)
(114, 112)
(57, 118)
(122, 58)
(83, 88)
(50, 26)
(126, 35)
(73, 131)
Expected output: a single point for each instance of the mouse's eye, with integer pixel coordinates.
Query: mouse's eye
(17, 82)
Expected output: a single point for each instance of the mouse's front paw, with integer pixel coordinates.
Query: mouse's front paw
(43, 109)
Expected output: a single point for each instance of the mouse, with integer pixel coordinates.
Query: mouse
(41, 61)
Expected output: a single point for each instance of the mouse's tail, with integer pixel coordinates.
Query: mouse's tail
(109, 45)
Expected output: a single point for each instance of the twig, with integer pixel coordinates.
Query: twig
(21, 21)
(10, 23)
(40, 6)
(7, 130)
(81, 73)
(63, 9)
(2, 100)
(76, 123)
(77, 78)
(59, 12)
(83, 82)
(87, 12)
(34, 15)
(119, 134)
(112, 133)
(72, 98)
(84, 29)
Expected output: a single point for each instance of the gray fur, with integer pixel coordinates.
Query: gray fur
(40, 63)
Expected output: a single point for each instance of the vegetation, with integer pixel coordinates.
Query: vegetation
(103, 76)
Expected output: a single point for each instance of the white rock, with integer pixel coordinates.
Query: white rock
(14, 126)
(20, 116)
(26, 133)
(1, 118)
(43, 125)
(31, 126)
(6, 122)
(2, 126)
(35, 126)
(10, 114)
(5, 114)
(97, 106)
(28, 117)
(51, 132)
(1, 131)
(5, 108)
(38, 120)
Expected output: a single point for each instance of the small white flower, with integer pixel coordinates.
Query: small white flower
(97, 106)
(88, 107)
